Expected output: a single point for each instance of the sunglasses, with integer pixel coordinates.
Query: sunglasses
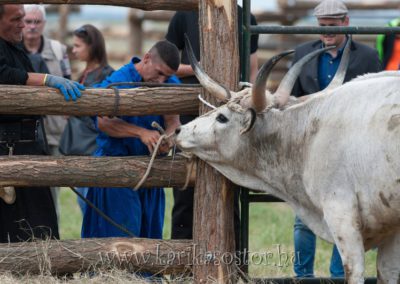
(80, 30)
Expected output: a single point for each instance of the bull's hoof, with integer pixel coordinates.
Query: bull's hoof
(7, 193)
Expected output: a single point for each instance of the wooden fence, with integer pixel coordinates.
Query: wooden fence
(213, 228)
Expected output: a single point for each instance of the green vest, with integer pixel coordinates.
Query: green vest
(381, 38)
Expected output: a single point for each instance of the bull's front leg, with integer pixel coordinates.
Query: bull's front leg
(344, 223)
(388, 262)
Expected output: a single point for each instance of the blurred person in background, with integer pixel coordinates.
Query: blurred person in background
(388, 47)
(47, 56)
(79, 137)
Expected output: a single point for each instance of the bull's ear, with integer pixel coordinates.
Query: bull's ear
(249, 118)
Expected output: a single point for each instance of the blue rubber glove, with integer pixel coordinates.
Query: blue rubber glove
(67, 87)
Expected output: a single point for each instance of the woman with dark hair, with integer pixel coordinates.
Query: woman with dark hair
(89, 47)
(79, 137)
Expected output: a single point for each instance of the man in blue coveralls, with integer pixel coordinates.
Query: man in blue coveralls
(142, 211)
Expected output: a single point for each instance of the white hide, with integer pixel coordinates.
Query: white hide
(334, 158)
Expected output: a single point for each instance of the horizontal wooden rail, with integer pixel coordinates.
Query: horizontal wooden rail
(147, 5)
(158, 16)
(90, 171)
(70, 256)
(137, 101)
(299, 5)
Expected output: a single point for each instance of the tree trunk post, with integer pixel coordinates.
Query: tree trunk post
(136, 31)
(170, 5)
(213, 201)
(63, 10)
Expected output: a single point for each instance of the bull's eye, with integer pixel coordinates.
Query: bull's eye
(222, 118)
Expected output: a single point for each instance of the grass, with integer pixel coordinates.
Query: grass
(271, 228)
(70, 215)
(271, 233)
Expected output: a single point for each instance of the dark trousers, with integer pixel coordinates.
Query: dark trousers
(33, 214)
(182, 215)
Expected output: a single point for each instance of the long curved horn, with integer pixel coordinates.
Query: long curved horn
(259, 99)
(341, 71)
(287, 83)
(220, 92)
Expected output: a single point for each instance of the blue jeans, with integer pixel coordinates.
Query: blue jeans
(304, 246)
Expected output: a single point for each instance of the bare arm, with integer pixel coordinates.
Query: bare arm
(184, 70)
(119, 128)
(35, 79)
(171, 123)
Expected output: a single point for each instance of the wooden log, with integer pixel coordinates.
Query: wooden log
(213, 200)
(279, 16)
(53, 9)
(70, 256)
(63, 11)
(157, 16)
(148, 5)
(138, 101)
(135, 32)
(91, 171)
(299, 5)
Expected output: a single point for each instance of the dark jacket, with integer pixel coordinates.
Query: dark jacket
(33, 214)
(97, 76)
(14, 64)
(363, 59)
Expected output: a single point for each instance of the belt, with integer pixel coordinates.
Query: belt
(19, 131)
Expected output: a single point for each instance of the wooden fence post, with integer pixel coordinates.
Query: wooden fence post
(136, 31)
(213, 202)
(63, 11)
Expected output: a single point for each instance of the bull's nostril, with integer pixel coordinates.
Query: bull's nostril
(177, 130)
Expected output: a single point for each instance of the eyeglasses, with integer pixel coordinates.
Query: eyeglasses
(32, 22)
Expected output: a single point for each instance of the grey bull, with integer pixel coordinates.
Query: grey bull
(334, 158)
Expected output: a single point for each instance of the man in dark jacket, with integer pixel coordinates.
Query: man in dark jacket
(26, 213)
(316, 76)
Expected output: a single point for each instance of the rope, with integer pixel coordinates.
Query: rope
(205, 102)
(153, 157)
(188, 175)
(108, 219)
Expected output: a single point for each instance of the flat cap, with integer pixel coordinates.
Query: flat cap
(330, 9)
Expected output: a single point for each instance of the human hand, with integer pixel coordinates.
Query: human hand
(165, 146)
(67, 87)
(149, 138)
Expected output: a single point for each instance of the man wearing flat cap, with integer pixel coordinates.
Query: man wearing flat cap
(316, 76)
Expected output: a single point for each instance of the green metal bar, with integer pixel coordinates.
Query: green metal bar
(244, 227)
(244, 193)
(321, 280)
(257, 197)
(322, 30)
(245, 56)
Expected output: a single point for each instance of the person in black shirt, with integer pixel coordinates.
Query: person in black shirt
(25, 213)
(188, 23)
